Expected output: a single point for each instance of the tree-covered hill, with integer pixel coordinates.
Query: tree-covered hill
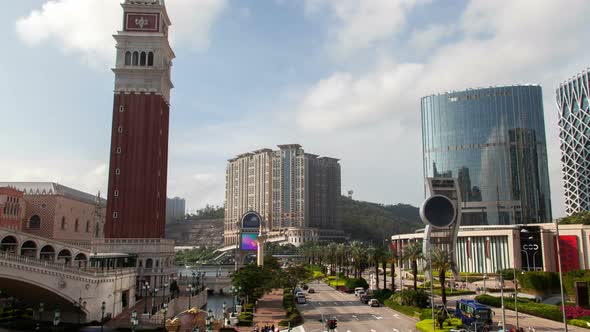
(366, 221)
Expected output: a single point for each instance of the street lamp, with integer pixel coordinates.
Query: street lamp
(56, 317)
(516, 296)
(558, 253)
(134, 321)
(223, 313)
(164, 310)
(102, 309)
(485, 276)
(193, 273)
(154, 293)
(164, 292)
(189, 289)
(146, 288)
(41, 309)
(209, 320)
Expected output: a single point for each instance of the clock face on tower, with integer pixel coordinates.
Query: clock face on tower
(148, 22)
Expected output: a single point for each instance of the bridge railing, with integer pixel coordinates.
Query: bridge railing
(81, 246)
(92, 272)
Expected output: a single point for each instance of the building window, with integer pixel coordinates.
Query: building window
(116, 193)
(135, 58)
(127, 58)
(120, 129)
(115, 215)
(87, 226)
(63, 223)
(118, 150)
(35, 222)
(118, 171)
(96, 230)
(121, 108)
(150, 59)
(142, 59)
(76, 225)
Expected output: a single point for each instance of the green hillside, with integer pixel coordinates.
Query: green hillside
(366, 221)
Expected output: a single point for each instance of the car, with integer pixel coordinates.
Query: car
(374, 303)
(357, 290)
(301, 300)
(364, 298)
(311, 290)
(299, 294)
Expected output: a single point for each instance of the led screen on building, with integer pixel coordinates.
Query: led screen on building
(249, 241)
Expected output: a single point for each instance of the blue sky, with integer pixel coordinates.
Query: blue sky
(341, 77)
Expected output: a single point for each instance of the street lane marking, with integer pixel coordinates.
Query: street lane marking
(373, 330)
(397, 316)
(354, 316)
(395, 330)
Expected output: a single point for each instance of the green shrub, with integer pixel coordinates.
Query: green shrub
(570, 278)
(578, 322)
(410, 297)
(508, 274)
(539, 281)
(527, 306)
(426, 325)
(382, 294)
(353, 283)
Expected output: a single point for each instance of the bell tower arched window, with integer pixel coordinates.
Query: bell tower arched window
(127, 58)
(135, 58)
(142, 59)
(150, 59)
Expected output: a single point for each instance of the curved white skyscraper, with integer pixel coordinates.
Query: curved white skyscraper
(574, 125)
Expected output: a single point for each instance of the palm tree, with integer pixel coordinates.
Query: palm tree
(358, 255)
(441, 263)
(393, 256)
(413, 252)
(340, 254)
(330, 252)
(384, 258)
(378, 255)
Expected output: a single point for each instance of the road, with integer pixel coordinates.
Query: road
(351, 314)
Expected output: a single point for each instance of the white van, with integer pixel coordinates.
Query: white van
(358, 290)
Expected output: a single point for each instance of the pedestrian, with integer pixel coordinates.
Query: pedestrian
(273, 327)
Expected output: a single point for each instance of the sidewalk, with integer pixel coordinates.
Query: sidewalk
(269, 310)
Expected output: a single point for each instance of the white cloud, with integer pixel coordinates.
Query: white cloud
(362, 23)
(89, 176)
(341, 100)
(426, 39)
(86, 27)
(499, 46)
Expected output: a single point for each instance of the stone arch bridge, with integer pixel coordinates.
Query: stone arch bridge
(39, 270)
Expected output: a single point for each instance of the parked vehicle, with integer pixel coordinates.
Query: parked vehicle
(301, 300)
(364, 298)
(374, 303)
(358, 290)
(311, 290)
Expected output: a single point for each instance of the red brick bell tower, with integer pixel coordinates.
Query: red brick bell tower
(136, 205)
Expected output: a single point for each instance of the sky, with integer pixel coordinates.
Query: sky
(343, 78)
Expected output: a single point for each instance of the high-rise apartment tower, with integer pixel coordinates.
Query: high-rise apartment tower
(295, 192)
(574, 125)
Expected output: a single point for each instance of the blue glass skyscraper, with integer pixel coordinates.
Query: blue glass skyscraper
(493, 141)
